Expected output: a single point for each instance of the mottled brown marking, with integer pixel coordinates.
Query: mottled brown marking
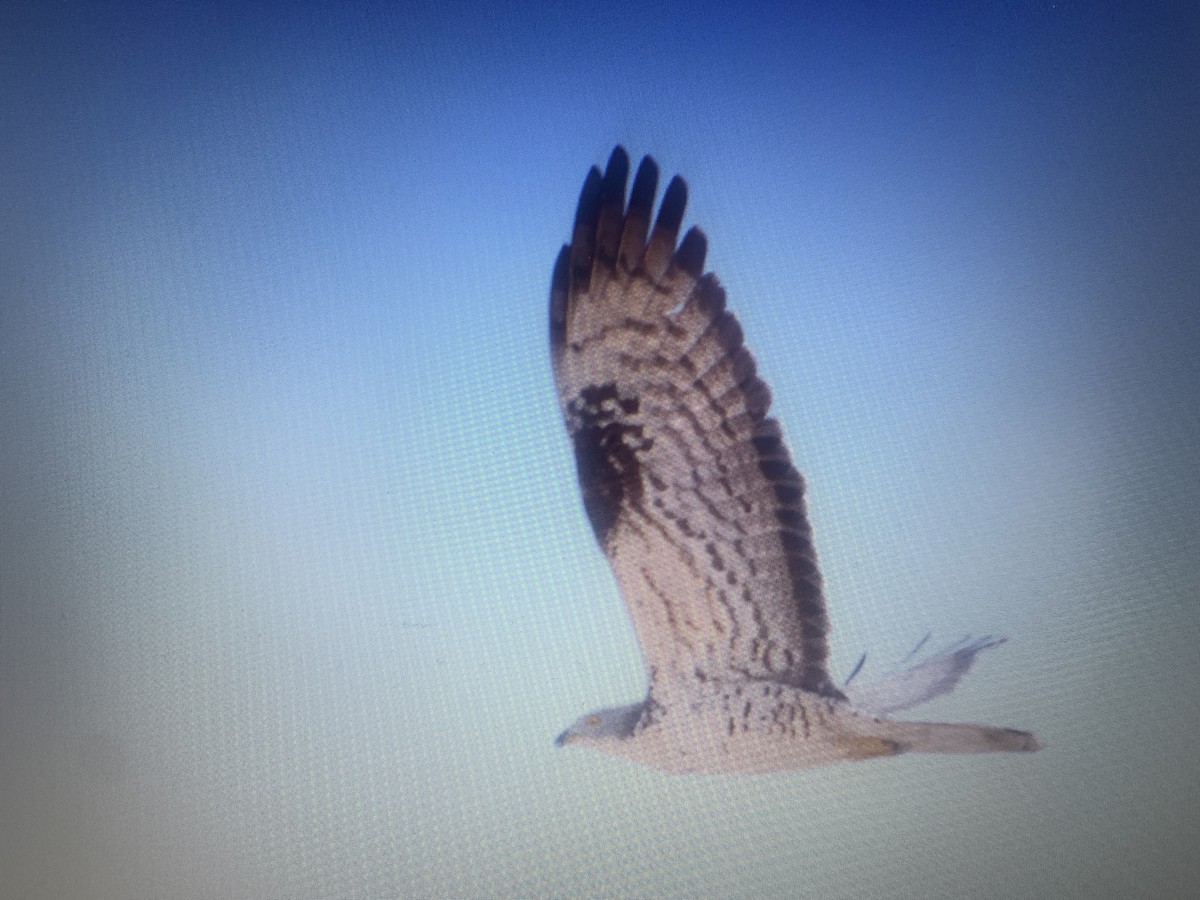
(804, 720)
(717, 562)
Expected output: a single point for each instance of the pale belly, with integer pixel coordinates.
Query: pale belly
(767, 729)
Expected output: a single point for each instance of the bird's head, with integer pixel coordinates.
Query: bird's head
(603, 726)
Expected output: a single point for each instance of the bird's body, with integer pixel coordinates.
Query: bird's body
(761, 727)
(692, 495)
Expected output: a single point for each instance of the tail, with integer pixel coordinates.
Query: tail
(946, 737)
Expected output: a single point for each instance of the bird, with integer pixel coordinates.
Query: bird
(692, 495)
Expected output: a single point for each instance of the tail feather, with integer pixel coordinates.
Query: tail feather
(948, 737)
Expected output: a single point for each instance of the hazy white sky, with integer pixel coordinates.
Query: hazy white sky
(295, 585)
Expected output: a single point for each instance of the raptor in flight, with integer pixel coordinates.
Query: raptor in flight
(693, 497)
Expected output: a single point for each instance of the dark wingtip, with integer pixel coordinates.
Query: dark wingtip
(616, 173)
(670, 214)
(660, 250)
(588, 209)
(645, 183)
(583, 239)
(559, 285)
(637, 216)
(612, 207)
(692, 250)
(618, 157)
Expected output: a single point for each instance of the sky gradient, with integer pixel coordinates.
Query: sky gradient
(296, 588)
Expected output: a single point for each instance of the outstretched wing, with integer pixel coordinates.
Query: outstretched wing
(688, 486)
(930, 678)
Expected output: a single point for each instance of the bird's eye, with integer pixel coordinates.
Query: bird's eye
(592, 721)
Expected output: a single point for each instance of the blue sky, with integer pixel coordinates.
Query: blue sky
(295, 585)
